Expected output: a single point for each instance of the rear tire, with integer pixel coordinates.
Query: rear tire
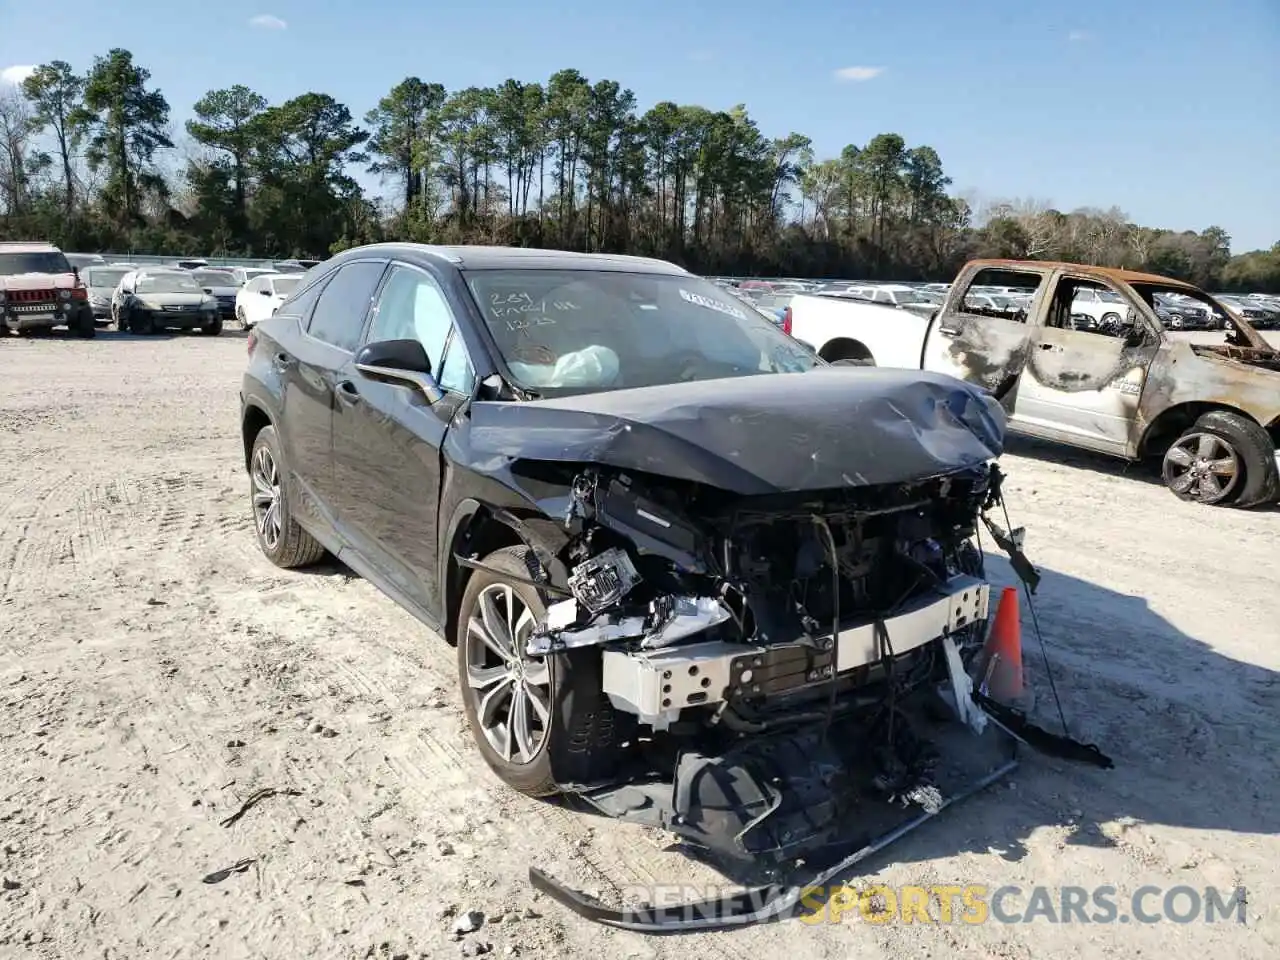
(280, 536)
(577, 742)
(1230, 441)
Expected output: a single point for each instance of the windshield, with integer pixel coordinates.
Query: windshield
(213, 278)
(99, 277)
(168, 283)
(50, 261)
(583, 331)
(285, 285)
(1238, 330)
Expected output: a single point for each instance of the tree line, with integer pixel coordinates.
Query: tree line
(91, 161)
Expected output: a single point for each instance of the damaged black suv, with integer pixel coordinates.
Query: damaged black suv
(642, 513)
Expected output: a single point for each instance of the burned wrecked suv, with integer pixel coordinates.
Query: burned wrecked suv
(643, 514)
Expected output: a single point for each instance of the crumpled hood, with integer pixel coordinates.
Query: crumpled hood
(831, 427)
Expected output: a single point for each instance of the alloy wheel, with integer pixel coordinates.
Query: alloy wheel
(266, 497)
(511, 691)
(1202, 467)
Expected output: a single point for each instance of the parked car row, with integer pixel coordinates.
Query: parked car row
(149, 299)
(1097, 310)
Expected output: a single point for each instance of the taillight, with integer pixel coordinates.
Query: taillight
(786, 320)
(252, 340)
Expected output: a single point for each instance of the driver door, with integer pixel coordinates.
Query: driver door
(978, 343)
(1082, 386)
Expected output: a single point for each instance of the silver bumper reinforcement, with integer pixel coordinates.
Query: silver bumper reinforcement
(656, 685)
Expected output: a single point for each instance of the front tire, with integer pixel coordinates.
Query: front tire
(280, 536)
(214, 328)
(1224, 459)
(141, 324)
(82, 325)
(541, 723)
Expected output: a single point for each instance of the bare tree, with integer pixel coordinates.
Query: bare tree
(19, 161)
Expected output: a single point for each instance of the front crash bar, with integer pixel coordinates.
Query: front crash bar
(752, 905)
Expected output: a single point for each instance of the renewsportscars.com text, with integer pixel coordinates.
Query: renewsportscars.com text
(980, 903)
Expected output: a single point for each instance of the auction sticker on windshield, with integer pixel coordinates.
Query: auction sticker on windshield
(710, 304)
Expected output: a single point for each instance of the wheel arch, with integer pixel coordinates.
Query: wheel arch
(478, 529)
(845, 348)
(1171, 423)
(252, 421)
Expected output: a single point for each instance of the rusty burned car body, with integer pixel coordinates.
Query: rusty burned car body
(673, 548)
(1128, 389)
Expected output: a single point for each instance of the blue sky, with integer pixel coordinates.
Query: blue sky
(1169, 109)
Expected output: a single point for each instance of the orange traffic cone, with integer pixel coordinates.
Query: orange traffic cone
(1000, 666)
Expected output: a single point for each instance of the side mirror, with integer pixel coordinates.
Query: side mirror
(399, 361)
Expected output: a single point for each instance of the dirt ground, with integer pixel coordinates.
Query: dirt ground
(156, 671)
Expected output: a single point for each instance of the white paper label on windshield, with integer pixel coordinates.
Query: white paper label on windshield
(710, 304)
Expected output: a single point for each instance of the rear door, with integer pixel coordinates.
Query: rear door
(973, 341)
(387, 438)
(326, 339)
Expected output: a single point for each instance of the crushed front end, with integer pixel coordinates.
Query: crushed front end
(769, 610)
(794, 665)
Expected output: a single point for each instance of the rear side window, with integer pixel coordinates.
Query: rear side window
(302, 305)
(339, 314)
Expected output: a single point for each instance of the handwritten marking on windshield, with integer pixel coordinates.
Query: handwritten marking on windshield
(520, 305)
(710, 304)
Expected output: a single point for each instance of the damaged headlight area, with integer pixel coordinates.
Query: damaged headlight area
(764, 604)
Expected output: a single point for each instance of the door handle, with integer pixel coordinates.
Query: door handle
(348, 393)
(1051, 346)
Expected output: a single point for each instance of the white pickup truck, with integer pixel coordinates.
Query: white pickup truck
(1211, 413)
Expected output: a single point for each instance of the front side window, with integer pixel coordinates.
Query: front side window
(579, 331)
(412, 307)
(339, 313)
(455, 371)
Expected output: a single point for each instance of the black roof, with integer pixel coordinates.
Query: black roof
(466, 257)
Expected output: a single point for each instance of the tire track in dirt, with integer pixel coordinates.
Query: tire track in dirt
(33, 535)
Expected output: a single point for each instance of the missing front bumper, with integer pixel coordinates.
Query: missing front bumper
(656, 685)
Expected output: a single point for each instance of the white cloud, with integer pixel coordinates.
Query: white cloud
(268, 21)
(12, 76)
(1075, 36)
(858, 74)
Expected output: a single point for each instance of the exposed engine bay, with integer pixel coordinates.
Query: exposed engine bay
(768, 603)
(786, 660)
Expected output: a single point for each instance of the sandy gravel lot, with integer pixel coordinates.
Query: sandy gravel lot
(156, 671)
